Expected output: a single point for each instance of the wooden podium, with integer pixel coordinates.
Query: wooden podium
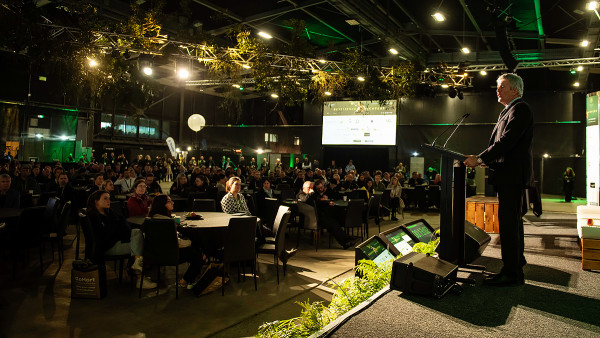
(452, 205)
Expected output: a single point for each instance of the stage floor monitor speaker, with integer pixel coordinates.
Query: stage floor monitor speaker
(424, 275)
(476, 240)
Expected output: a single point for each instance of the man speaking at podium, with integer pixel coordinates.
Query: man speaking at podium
(509, 157)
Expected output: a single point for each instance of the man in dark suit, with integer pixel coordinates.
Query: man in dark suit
(509, 157)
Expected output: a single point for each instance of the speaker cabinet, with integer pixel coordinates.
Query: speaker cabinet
(476, 240)
(424, 275)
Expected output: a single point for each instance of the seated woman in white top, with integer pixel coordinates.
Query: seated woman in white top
(234, 202)
(395, 196)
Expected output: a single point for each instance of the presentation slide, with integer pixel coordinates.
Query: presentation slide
(401, 241)
(359, 123)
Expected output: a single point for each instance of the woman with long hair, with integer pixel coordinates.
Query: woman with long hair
(139, 203)
(180, 185)
(162, 208)
(115, 236)
(368, 187)
(395, 193)
(234, 202)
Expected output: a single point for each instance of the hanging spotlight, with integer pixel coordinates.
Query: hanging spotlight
(265, 35)
(183, 73)
(576, 84)
(147, 70)
(580, 68)
(445, 86)
(483, 72)
(327, 93)
(452, 93)
(93, 63)
(393, 51)
(584, 43)
(360, 78)
(189, 148)
(591, 6)
(246, 66)
(466, 50)
(439, 17)
(274, 95)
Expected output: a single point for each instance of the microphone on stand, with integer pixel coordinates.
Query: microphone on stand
(450, 126)
(454, 131)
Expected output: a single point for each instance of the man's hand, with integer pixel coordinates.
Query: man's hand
(471, 161)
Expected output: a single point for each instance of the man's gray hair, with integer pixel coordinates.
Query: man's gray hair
(516, 82)
(6, 176)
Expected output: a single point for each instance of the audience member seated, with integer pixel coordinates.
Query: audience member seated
(312, 194)
(368, 187)
(126, 180)
(180, 186)
(97, 184)
(386, 179)
(378, 185)
(415, 180)
(64, 190)
(299, 181)
(200, 184)
(109, 187)
(152, 187)
(221, 181)
(24, 183)
(395, 196)
(162, 206)
(234, 202)
(115, 236)
(139, 203)
(9, 198)
(349, 184)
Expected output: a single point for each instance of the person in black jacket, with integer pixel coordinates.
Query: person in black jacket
(114, 236)
(509, 157)
(568, 183)
(9, 198)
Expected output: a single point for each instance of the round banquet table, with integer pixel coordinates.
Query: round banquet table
(207, 233)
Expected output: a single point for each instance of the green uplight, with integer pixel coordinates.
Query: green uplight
(573, 71)
(40, 116)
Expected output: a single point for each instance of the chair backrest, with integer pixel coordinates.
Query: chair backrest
(283, 186)
(239, 241)
(354, 213)
(63, 221)
(50, 211)
(352, 195)
(287, 194)
(204, 204)
(269, 212)
(279, 217)
(118, 208)
(362, 194)
(310, 215)
(251, 203)
(92, 249)
(161, 246)
(385, 198)
(373, 205)
(281, 229)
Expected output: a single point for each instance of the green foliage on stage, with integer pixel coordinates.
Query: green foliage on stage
(348, 293)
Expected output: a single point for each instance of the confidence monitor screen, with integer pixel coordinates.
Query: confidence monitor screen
(376, 251)
(420, 230)
(401, 240)
(359, 123)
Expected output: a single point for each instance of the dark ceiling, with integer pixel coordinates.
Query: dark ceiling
(535, 30)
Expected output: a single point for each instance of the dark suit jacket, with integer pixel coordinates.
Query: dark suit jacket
(509, 152)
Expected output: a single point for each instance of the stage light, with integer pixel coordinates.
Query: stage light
(466, 50)
(327, 93)
(452, 93)
(483, 72)
(93, 63)
(147, 70)
(38, 135)
(178, 150)
(265, 35)
(273, 95)
(445, 86)
(576, 84)
(439, 17)
(584, 43)
(260, 151)
(393, 51)
(183, 73)
(360, 78)
(591, 6)
(322, 61)
(246, 66)
(573, 71)
(415, 154)
(580, 68)
(189, 148)
(40, 116)
(64, 137)
(236, 85)
(546, 155)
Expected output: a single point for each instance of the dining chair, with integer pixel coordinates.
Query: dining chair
(280, 212)
(239, 245)
(373, 210)
(161, 248)
(287, 194)
(311, 222)
(279, 246)
(204, 204)
(56, 232)
(92, 248)
(386, 203)
(283, 186)
(270, 207)
(353, 217)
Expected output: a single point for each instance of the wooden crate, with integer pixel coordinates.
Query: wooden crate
(483, 212)
(590, 254)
